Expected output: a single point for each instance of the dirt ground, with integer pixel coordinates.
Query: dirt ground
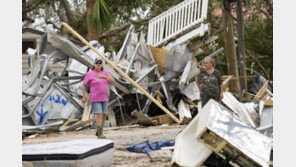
(122, 138)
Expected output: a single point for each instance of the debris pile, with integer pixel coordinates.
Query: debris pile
(153, 86)
(51, 100)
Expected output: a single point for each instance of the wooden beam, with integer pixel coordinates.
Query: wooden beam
(269, 92)
(121, 72)
(263, 89)
(69, 120)
(81, 123)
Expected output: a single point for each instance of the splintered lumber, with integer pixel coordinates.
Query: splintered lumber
(142, 119)
(227, 79)
(184, 112)
(68, 121)
(254, 97)
(262, 90)
(121, 72)
(159, 96)
(78, 124)
(86, 111)
(163, 119)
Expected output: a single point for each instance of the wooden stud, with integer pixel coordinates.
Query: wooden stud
(69, 120)
(262, 90)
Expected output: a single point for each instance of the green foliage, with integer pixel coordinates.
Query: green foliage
(101, 17)
(259, 40)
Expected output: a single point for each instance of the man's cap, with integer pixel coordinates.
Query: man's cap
(99, 58)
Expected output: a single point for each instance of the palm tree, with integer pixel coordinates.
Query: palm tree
(100, 14)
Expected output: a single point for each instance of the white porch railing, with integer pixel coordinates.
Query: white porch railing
(176, 20)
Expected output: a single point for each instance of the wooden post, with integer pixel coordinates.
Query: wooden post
(241, 46)
(121, 72)
(229, 47)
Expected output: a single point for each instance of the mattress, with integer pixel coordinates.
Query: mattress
(74, 153)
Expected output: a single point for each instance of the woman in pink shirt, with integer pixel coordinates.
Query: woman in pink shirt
(98, 81)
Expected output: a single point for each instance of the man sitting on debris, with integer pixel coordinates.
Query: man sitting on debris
(209, 82)
(98, 80)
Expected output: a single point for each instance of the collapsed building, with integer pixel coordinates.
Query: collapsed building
(165, 66)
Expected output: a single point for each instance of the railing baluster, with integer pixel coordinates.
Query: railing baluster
(157, 38)
(166, 26)
(160, 30)
(195, 9)
(170, 24)
(175, 20)
(181, 18)
(204, 8)
(199, 9)
(154, 33)
(192, 12)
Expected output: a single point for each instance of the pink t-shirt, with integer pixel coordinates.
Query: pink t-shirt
(98, 86)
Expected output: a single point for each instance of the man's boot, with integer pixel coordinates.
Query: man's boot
(100, 132)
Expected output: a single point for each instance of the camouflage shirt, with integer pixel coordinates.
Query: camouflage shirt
(210, 83)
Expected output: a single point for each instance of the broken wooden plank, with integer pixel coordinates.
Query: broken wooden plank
(78, 124)
(262, 90)
(254, 97)
(122, 127)
(163, 119)
(87, 110)
(184, 112)
(69, 120)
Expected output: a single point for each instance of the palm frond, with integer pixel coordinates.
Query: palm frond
(101, 17)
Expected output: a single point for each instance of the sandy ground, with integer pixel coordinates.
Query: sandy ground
(122, 138)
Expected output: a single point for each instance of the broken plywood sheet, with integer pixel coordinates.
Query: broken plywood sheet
(159, 55)
(184, 112)
(227, 135)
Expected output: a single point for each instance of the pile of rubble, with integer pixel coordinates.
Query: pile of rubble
(152, 86)
(52, 99)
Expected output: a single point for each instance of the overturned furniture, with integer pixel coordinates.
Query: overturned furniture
(231, 138)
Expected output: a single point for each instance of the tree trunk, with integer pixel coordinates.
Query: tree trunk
(229, 47)
(92, 34)
(241, 46)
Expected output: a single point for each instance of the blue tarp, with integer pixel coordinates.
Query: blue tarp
(147, 146)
